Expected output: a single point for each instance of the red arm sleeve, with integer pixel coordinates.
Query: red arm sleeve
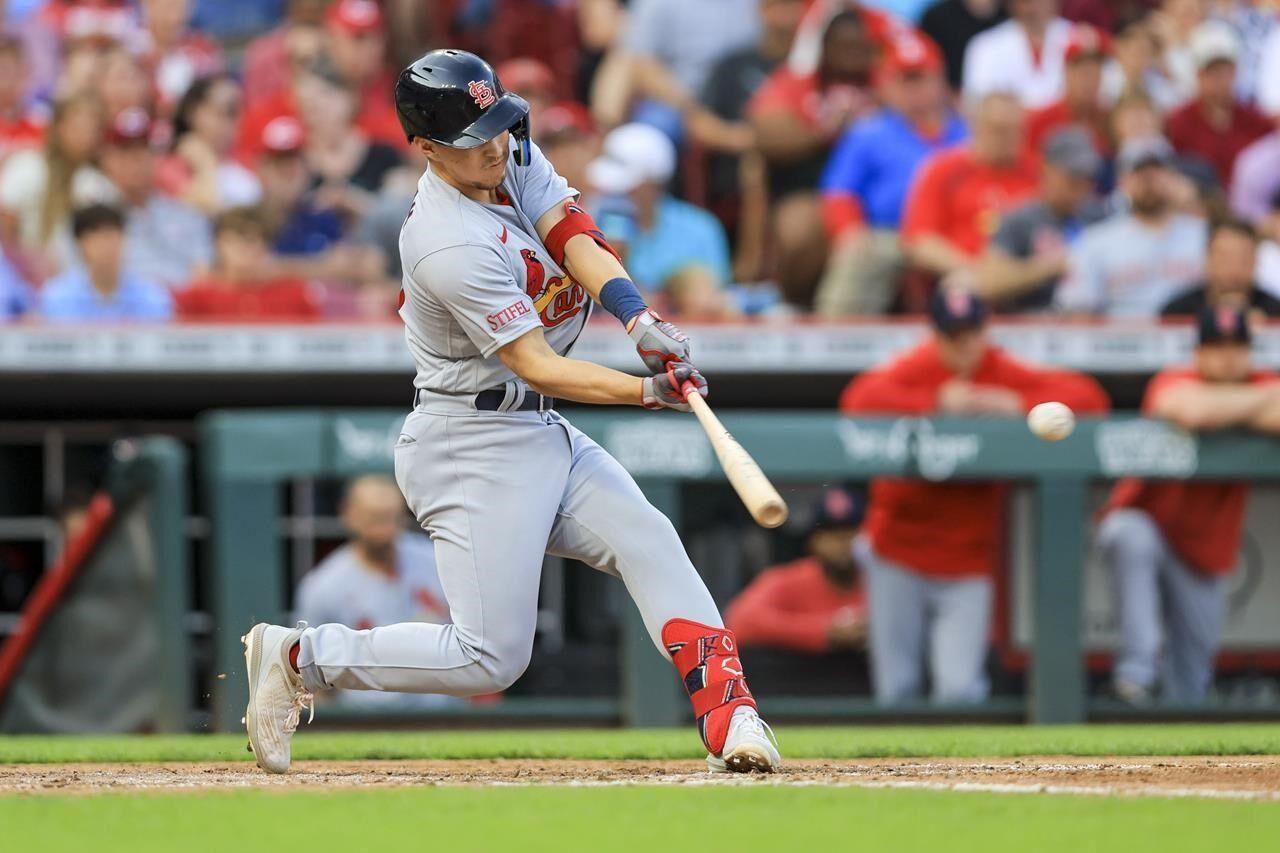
(879, 392)
(759, 617)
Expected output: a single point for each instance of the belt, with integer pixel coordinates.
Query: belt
(502, 398)
(491, 400)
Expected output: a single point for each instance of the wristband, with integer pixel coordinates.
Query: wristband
(621, 299)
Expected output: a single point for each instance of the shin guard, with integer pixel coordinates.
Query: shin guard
(708, 663)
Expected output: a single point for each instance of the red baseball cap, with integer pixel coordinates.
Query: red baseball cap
(283, 135)
(565, 117)
(355, 17)
(130, 126)
(911, 52)
(524, 74)
(1085, 40)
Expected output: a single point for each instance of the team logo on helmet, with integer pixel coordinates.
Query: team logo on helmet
(481, 91)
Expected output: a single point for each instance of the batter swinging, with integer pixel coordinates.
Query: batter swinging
(501, 268)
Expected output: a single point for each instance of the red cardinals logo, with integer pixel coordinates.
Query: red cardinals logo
(479, 89)
(556, 299)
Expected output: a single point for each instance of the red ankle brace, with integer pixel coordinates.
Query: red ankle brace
(708, 663)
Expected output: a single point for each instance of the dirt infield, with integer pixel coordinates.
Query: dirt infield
(1220, 777)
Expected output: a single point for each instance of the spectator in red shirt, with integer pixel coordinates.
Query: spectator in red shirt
(175, 55)
(241, 286)
(959, 194)
(814, 604)
(19, 127)
(1081, 102)
(797, 118)
(1214, 126)
(928, 549)
(1171, 544)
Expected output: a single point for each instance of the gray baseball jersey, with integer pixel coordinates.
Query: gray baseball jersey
(476, 277)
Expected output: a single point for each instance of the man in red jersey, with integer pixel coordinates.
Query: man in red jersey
(1081, 104)
(928, 550)
(814, 604)
(1171, 544)
(959, 194)
(242, 285)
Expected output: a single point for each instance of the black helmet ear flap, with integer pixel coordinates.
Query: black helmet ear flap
(520, 132)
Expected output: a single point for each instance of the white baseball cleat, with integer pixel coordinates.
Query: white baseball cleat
(749, 745)
(276, 694)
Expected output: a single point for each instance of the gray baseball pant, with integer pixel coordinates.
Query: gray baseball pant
(914, 617)
(1155, 589)
(496, 491)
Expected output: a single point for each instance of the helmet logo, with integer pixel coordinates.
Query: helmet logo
(483, 94)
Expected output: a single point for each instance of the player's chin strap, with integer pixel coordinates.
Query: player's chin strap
(708, 663)
(520, 131)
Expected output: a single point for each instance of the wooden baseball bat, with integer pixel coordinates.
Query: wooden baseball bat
(758, 495)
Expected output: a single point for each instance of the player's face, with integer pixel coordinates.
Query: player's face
(1230, 266)
(962, 351)
(481, 169)
(834, 549)
(1224, 362)
(374, 514)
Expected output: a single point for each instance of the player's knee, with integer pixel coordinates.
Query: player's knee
(506, 667)
(1128, 537)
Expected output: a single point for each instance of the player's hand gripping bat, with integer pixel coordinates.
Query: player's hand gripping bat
(758, 495)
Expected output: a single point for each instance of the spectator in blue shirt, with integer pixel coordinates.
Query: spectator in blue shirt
(100, 290)
(865, 184)
(669, 245)
(308, 238)
(301, 227)
(15, 294)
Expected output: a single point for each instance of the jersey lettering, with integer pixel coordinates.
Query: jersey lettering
(498, 319)
(557, 299)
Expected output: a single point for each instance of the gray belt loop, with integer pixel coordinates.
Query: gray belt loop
(515, 395)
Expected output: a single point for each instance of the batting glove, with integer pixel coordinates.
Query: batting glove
(666, 390)
(657, 341)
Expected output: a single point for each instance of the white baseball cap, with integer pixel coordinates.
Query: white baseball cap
(1214, 41)
(632, 154)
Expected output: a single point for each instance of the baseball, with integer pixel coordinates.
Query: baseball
(1051, 421)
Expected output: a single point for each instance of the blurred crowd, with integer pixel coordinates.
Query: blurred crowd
(242, 160)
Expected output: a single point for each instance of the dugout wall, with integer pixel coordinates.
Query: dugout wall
(246, 455)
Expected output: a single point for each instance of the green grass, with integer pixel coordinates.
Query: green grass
(797, 742)
(669, 820)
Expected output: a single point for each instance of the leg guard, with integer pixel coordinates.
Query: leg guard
(708, 663)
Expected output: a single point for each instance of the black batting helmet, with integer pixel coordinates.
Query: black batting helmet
(454, 97)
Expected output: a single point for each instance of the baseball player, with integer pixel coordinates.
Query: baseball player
(929, 550)
(1171, 545)
(501, 269)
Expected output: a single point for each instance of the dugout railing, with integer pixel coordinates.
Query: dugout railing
(246, 456)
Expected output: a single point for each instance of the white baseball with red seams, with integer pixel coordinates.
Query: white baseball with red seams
(1051, 421)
